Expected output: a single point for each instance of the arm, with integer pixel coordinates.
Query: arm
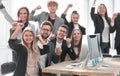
(114, 22)
(17, 30)
(65, 12)
(12, 41)
(69, 6)
(31, 16)
(92, 13)
(45, 49)
(5, 13)
(67, 50)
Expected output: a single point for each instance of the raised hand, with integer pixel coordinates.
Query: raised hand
(41, 40)
(94, 2)
(114, 16)
(0, 2)
(69, 5)
(19, 26)
(52, 36)
(14, 25)
(68, 41)
(37, 8)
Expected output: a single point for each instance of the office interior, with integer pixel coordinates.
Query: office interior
(82, 6)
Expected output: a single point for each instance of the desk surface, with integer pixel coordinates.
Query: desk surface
(60, 68)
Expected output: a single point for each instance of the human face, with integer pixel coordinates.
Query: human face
(52, 8)
(102, 10)
(76, 35)
(23, 15)
(28, 37)
(45, 31)
(75, 18)
(61, 33)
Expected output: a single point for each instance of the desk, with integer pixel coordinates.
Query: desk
(60, 68)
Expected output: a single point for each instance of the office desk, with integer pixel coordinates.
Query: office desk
(60, 68)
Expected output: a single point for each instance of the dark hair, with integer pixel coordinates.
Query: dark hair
(65, 26)
(106, 14)
(18, 13)
(47, 23)
(75, 12)
(80, 42)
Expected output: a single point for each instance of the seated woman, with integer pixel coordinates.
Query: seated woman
(76, 41)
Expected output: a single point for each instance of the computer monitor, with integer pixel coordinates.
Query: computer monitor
(95, 53)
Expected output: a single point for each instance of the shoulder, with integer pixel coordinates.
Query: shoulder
(44, 13)
(59, 19)
(81, 27)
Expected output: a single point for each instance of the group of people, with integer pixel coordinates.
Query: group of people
(56, 39)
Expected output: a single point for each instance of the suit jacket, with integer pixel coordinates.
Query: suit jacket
(44, 16)
(116, 28)
(65, 50)
(71, 26)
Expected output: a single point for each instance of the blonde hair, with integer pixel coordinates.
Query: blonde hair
(35, 50)
(52, 2)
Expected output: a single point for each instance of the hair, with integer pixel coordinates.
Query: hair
(47, 23)
(106, 14)
(65, 26)
(52, 2)
(80, 42)
(75, 12)
(34, 47)
(18, 13)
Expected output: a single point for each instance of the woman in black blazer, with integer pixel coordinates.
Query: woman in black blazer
(74, 21)
(102, 25)
(27, 52)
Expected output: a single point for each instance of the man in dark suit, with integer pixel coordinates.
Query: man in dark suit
(116, 27)
(62, 46)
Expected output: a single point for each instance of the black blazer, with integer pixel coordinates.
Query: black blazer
(71, 26)
(65, 51)
(21, 56)
(98, 23)
(117, 28)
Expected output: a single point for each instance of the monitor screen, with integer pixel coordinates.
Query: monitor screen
(95, 53)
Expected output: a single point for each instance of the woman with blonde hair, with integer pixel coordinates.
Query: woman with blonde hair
(27, 52)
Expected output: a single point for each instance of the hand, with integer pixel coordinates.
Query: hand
(37, 8)
(68, 41)
(69, 5)
(94, 2)
(0, 2)
(41, 40)
(58, 50)
(114, 16)
(52, 36)
(14, 25)
(19, 26)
